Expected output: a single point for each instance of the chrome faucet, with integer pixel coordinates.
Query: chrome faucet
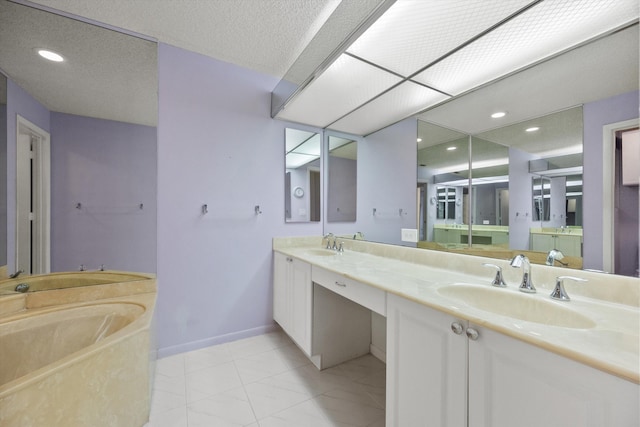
(358, 234)
(555, 255)
(558, 292)
(497, 280)
(527, 284)
(16, 274)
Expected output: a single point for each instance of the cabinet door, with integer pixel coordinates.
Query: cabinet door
(542, 242)
(301, 301)
(512, 383)
(280, 285)
(426, 367)
(569, 245)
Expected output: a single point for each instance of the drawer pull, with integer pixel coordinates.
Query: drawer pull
(341, 284)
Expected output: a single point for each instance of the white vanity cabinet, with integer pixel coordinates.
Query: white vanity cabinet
(441, 378)
(426, 366)
(293, 298)
(513, 383)
(568, 244)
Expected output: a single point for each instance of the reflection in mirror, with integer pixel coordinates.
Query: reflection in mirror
(443, 164)
(490, 194)
(3, 175)
(99, 106)
(541, 190)
(342, 179)
(302, 176)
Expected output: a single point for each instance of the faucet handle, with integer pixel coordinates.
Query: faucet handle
(558, 292)
(341, 248)
(497, 280)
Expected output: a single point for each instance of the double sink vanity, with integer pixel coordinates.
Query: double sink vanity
(459, 351)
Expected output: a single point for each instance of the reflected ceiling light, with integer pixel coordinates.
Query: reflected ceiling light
(532, 129)
(419, 140)
(498, 115)
(50, 55)
(451, 148)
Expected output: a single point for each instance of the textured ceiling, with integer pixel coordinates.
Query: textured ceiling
(263, 35)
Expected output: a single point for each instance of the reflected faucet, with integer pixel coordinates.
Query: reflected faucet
(527, 284)
(16, 274)
(555, 255)
(328, 236)
(358, 235)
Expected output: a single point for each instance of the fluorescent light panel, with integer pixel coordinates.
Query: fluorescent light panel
(412, 34)
(400, 102)
(547, 28)
(344, 86)
(295, 160)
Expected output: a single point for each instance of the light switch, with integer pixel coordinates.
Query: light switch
(409, 235)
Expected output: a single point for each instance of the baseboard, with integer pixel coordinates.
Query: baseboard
(220, 339)
(378, 353)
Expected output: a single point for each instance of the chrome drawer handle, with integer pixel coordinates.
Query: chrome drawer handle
(472, 334)
(341, 284)
(457, 328)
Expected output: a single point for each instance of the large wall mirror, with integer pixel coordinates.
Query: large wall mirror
(526, 188)
(98, 109)
(302, 178)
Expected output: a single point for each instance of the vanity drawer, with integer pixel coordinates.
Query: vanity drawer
(368, 296)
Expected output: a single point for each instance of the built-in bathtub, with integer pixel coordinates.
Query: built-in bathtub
(63, 280)
(70, 359)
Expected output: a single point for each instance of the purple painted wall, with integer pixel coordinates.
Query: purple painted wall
(217, 145)
(342, 194)
(20, 103)
(596, 115)
(520, 194)
(110, 168)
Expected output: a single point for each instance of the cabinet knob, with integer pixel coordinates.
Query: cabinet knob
(457, 328)
(472, 334)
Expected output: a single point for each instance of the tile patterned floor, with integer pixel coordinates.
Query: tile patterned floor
(265, 381)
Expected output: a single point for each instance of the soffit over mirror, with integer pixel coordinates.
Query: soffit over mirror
(395, 69)
(100, 64)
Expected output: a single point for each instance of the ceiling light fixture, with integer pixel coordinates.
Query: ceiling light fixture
(498, 115)
(451, 148)
(532, 129)
(51, 56)
(419, 140)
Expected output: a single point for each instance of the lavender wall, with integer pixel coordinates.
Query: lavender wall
(342, 194)
(20, 103)
(595, 116)
(216, 145)
(520, 194)
(110, 168)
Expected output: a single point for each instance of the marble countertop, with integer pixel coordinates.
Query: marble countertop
(612, 345)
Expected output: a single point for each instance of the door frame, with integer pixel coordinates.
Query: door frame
(608, 189)
(41, 195)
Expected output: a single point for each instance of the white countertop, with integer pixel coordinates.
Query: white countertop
(417, 274)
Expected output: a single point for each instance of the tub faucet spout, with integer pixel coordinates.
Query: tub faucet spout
(16, 274)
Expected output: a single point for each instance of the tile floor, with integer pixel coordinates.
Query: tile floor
(265, 381)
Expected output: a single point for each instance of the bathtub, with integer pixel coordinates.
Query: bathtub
(78, 363)
(72, 279)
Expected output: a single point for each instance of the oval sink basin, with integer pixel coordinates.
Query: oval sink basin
(321, 252)
(516, 305)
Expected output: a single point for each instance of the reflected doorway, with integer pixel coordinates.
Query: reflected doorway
(32, 198)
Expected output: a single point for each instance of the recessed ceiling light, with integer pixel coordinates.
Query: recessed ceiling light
(419, 140)
(532, 129)
(451, 148)
(51, 56)
(498, 114)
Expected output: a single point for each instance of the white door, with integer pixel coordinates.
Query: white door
(32, 198)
